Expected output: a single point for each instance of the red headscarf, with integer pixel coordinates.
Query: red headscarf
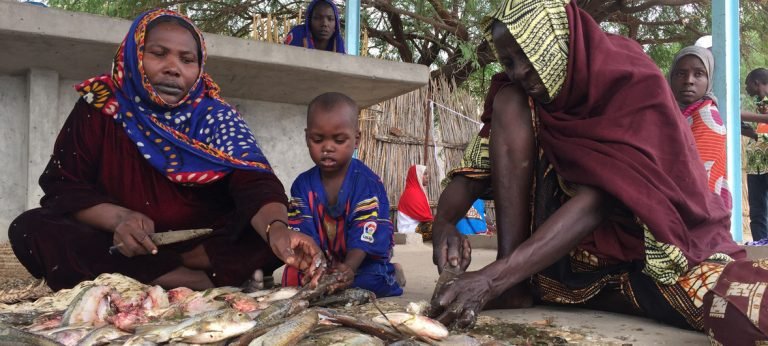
(616, 125)
(413, 202)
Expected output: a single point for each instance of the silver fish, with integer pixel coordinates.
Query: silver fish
(163, 332)
(101, 335)
(341, 337)
(216, 328)
(415, 325)
(290, 332)
(12, 336)
(348, 297)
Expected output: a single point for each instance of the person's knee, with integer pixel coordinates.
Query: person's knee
(24, 223)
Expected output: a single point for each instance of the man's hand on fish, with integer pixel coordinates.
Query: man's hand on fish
(459, 301)
(450, 247)
(131, 234)
(300, 251)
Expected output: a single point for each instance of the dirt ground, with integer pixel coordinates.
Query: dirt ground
(602, 327)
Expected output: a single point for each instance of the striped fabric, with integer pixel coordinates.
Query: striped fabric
(540, 27)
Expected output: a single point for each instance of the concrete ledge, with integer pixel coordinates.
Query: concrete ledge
(408, 239)
(79, 46)
(483, 241)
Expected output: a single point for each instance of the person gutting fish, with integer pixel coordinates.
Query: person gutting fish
(342, 204)
(601, 197)
(149, 148)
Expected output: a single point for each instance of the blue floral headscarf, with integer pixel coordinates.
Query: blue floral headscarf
(301, 35)
(198, 140)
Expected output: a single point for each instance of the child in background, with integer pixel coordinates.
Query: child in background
(342, 204)
(413, 211)
(321, 28)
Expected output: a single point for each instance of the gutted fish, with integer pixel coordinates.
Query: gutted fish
(90, 307)
(415, 325)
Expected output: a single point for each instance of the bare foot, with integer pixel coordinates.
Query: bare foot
(516, 297)
(399, 274)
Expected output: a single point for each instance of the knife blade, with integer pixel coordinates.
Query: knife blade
(171, 237)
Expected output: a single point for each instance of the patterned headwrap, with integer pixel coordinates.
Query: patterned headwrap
(709, 64)
(540, 27)
(196, 141)
(301, 35)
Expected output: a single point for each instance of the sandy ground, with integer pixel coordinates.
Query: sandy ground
(421, 276)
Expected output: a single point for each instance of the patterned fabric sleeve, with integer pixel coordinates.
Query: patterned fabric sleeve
(476, 162)
(369, 226)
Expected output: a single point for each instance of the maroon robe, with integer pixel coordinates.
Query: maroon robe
(95, 162)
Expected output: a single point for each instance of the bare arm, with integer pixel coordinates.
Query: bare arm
(450, 247)
(512, 151)
(754, 117)
(461, 300)
(295, 249)
(130, 229)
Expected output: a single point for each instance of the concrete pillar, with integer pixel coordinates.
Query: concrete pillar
(43, 96)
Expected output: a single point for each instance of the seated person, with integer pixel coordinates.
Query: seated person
(341, 203)
(413, 211)
(473, 221)
(600, 194)
(321, 28)
(689, 77)
(149, 149)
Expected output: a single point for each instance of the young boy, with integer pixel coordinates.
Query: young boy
(341, 203)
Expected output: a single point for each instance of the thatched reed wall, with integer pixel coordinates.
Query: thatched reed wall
(394, 134)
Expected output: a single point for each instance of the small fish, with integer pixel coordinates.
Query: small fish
(290, 332)
(365, 325)
(18, 318)
(341, 337)
(415, 325)
(279, 310)
(90, 307)
(70, 336)
(163, 332)
(215, 328)
(11, 336)
(244, 303)
(348, 297)
(276, 294)
(101, 336)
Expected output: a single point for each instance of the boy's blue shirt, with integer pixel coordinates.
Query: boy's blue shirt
(360, 218)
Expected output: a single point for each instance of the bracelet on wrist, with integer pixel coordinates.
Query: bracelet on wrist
(269, 225)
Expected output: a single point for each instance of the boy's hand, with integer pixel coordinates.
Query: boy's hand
(346, 277)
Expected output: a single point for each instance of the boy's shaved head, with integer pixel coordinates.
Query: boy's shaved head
(324, 103)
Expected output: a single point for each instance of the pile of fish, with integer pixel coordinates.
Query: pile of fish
(117, 310)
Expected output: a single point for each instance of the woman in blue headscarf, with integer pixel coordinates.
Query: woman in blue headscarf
(321, 28)
(152, 148)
